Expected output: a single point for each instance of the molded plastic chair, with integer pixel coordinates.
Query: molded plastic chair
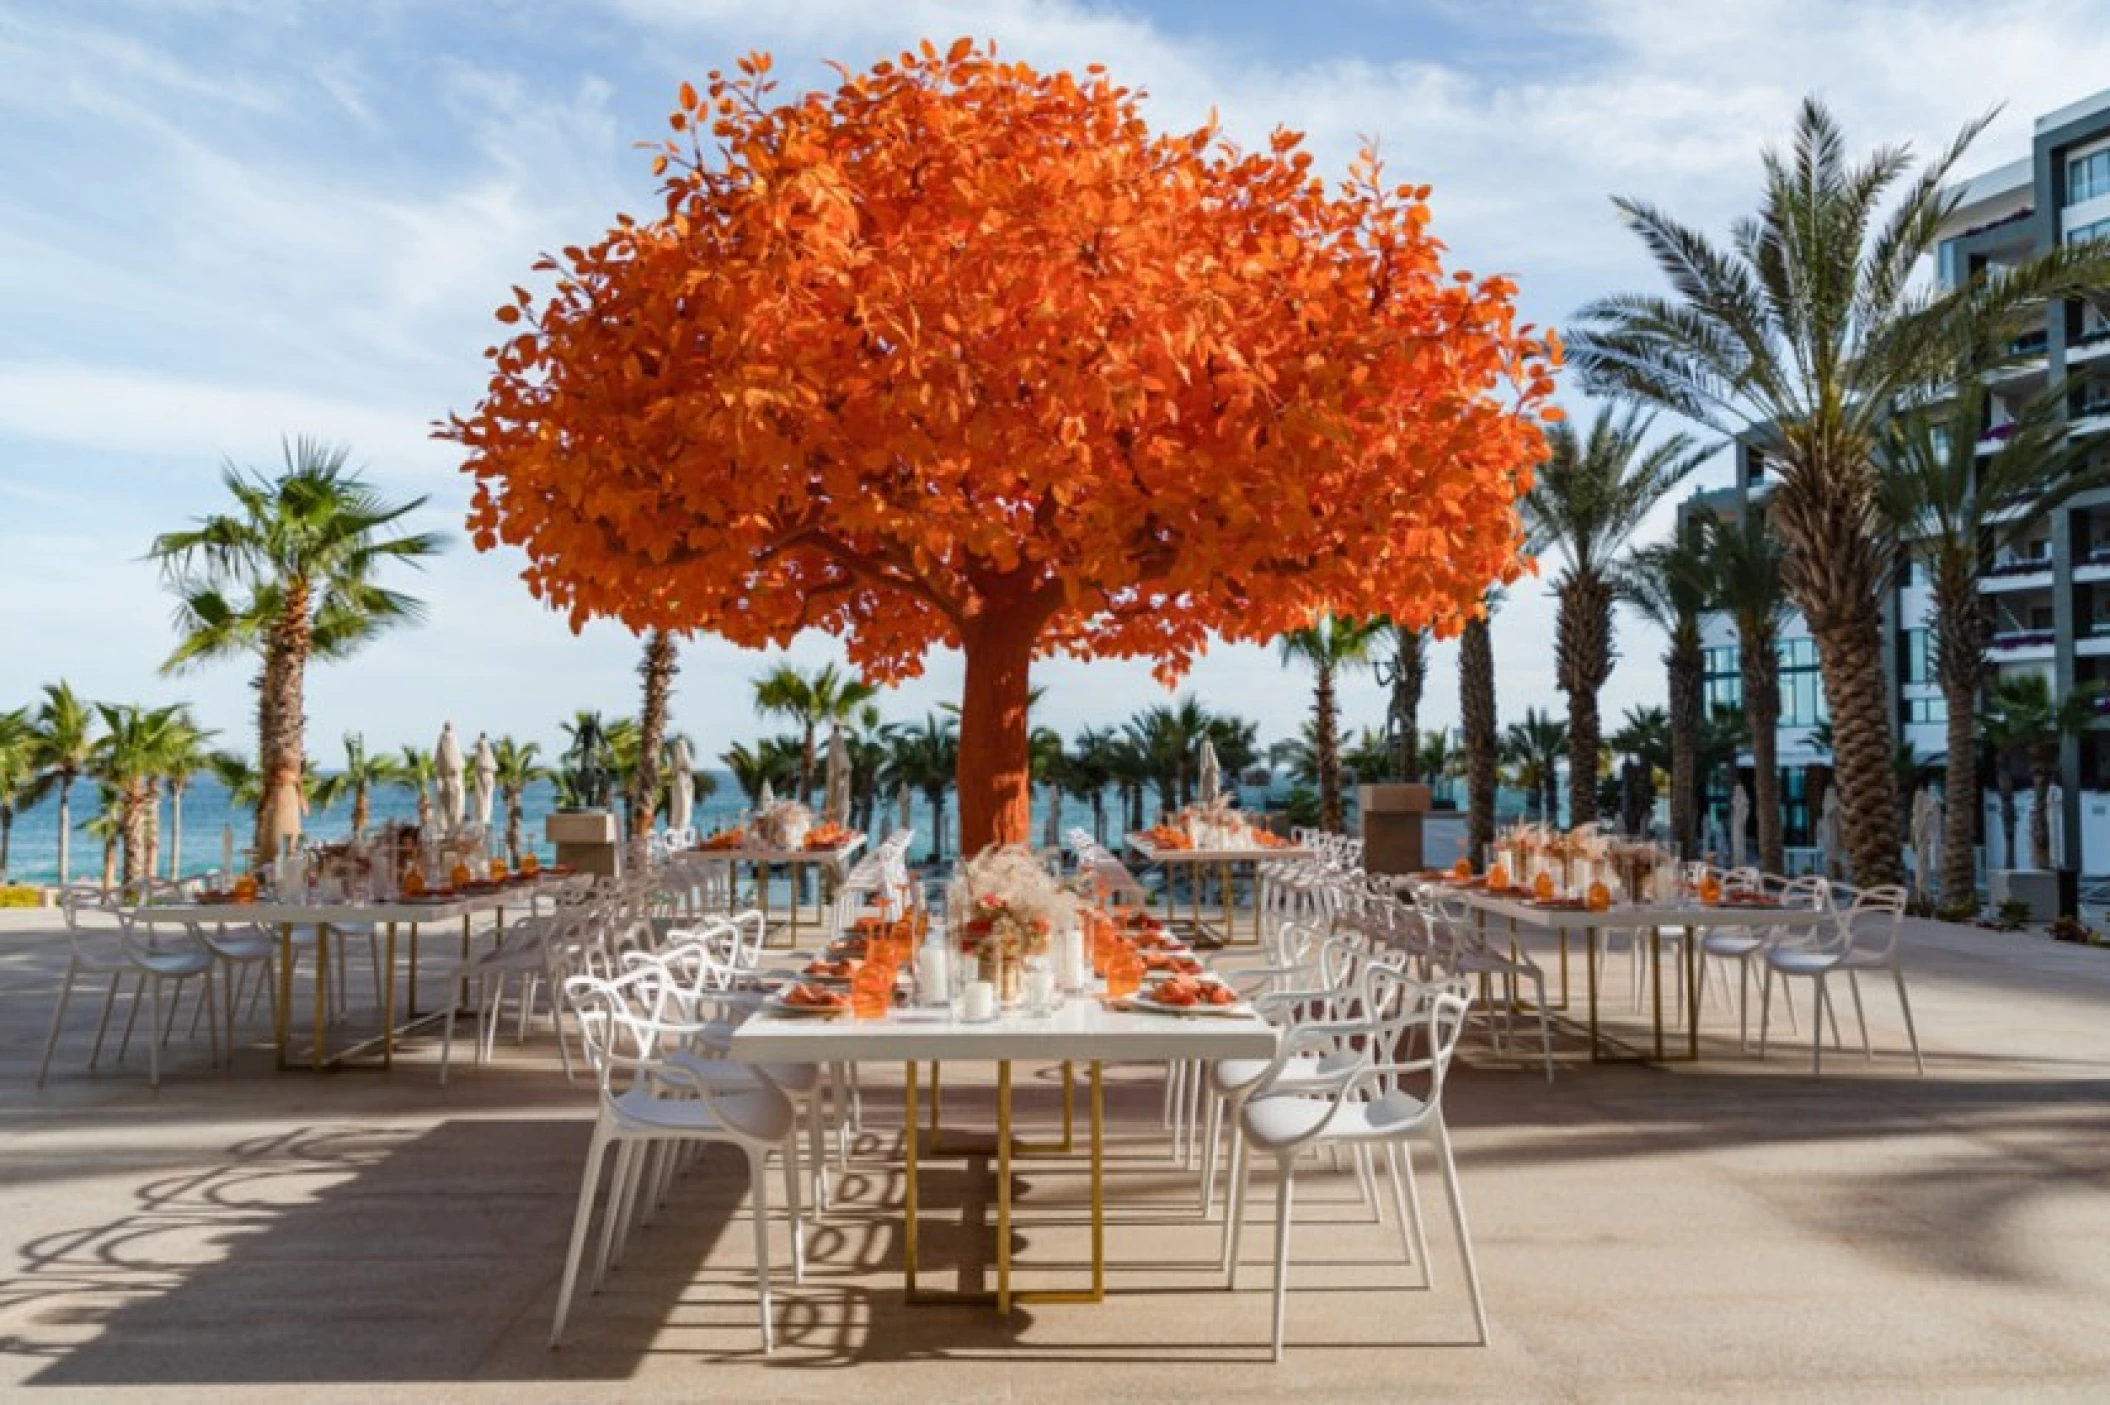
(1864, 939)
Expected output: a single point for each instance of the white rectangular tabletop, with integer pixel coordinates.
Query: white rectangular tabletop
(344, 914)
(828, 856)
(1150, 851)
(1082, 1029)
(1622, 916)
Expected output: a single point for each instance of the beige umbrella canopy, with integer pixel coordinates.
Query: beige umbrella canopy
(1212, 774)
(485, 780)
(681, 804)
(836, 806)
(447, 774)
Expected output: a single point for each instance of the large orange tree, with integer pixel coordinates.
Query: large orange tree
(962, 353)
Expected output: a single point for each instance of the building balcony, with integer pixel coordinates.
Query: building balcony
(2020, 645)
(2018, 573)
(2093, 567)
(2090, 418)
(2088, 347)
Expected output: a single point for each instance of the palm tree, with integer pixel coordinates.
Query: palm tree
(1331, 645)
(363, 773)
(773, 761)
(1370, 757)
(924, 759)
(63, 752)
(2027, 719)
(1408, 671)
(1048, 765)
(1589, 497)
(106, 824)
(414, 772)
(1807, 334)
(519, 766)
(289, 576)
(1091, 772)
(1534, 747)
(810, 701)
(1437, 760)
(1954, 510)
(18, 769)
(1672, 584)
(243, 783)
(1748, 587)
(1131, 767)
(185, 757)
(1476, 708)
(657, 671)
(130, 758)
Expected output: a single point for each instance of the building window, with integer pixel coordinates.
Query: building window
(1801, 690)
(1918, 661)
(1934, 710)
(2087, 177)
(1911, 574)
(2081, 234)
(1724, 679)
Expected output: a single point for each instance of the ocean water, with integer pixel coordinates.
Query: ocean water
(34, 855)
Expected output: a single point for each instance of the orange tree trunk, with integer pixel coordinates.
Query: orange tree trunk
(993, 774)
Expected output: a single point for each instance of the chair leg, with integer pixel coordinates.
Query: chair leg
(1465, 1237)
(1411, 1192)
(1285, 1171)
(1366, 1181)
(758, 1180)
(1853, 983)
(1765, 1011)
(1545, 1026)
(581, 1218)
(102, 1026)
(1234, 1216)
(619, 1182)
(1400, 1208)
(1817, 1009)
(817, 1148)
(1905, 1003)
(794, 1210)
(153, 1030)
(1743, 1005)
(1212, 1134)
(58, 1017)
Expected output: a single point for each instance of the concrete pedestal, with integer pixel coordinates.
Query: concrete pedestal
(1392, 817)
(2039, 887)
(586, 841)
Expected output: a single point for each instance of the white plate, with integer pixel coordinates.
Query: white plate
(1151, 1007)
(776, 1004)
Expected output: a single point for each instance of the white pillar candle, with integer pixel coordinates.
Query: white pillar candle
(226, 855)
(980, 1001)
(1069, 959)
(1040, 989)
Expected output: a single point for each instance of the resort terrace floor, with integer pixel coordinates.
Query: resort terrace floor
(1725, 1230)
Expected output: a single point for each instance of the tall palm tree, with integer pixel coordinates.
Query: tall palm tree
(2030, 719)
(1370, 757)
(130, 757)
(1749, 588)
(236, 775)
(107, 824)
(1132, 770)
(1091, 772)
(64, 750)
(1534, 747)
(289, 576)
(414, 771)
(1672, 584)
(364, 772)
(18, 769)
(1438, 760)
(1479, 724)
(1589, 497)
(519, 766)
(186, 756)
(810, 701)
(924, 759)
(1408, 669)
(1954, 511)
(773, 761)
(1330, 646)
(1806, 334)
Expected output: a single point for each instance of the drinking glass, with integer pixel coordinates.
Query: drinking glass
(1124, 970)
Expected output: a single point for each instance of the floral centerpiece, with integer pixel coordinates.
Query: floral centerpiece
(783, 824)
(1011, 908)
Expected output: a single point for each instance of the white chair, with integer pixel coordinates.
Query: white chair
(94, 948)
(1459, 947)
(626, 1027)
(1366, 1107)
(156, 956)
(1746, 945)
(1865, 938)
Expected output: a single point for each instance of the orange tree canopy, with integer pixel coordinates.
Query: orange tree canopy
(962, 353)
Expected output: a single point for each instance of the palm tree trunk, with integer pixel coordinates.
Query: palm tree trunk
(1759, 655)
(1583, 659)
(513, 826)
(1686, 669)
(2008, 820)
(1476, 705)
(362, 809)
(1550, 792)
(110, 860)
(132, 826)
(806, 762)
(66, 829)
(1326, 748)
(280, 749)
(657, 670)
(1864, 763)
(1959, 623)
(7, 838)
(1411, 674)
(2043, 770)
(1098, 816)
(936, 796)
(150, 828)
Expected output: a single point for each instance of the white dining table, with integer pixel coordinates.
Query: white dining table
(328, 917)
(833, 864)
(1225, 862)
(1691, 917)
(1084, 1029)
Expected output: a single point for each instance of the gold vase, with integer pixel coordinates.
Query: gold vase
(1007, 972)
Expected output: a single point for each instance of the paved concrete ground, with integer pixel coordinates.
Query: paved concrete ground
(1728, 1230)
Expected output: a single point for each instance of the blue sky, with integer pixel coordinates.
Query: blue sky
(225, 222)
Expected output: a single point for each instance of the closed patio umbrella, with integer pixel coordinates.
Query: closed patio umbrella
(1739, 818)
(447, 773)
(1212, 774)
(681, 783)
(835, 806)
(485, 780)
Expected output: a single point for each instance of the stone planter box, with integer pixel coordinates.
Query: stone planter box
(1391, 818)
(585, 840)
(2039, 887)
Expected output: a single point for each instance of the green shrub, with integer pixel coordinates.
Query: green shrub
(2011, 916)
(1962, 910)
(21, 895)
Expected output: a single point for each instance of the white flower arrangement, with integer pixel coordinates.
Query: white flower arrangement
(1009, 903)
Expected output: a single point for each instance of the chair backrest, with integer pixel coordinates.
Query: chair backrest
(621, 1020)
(1871, 925)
